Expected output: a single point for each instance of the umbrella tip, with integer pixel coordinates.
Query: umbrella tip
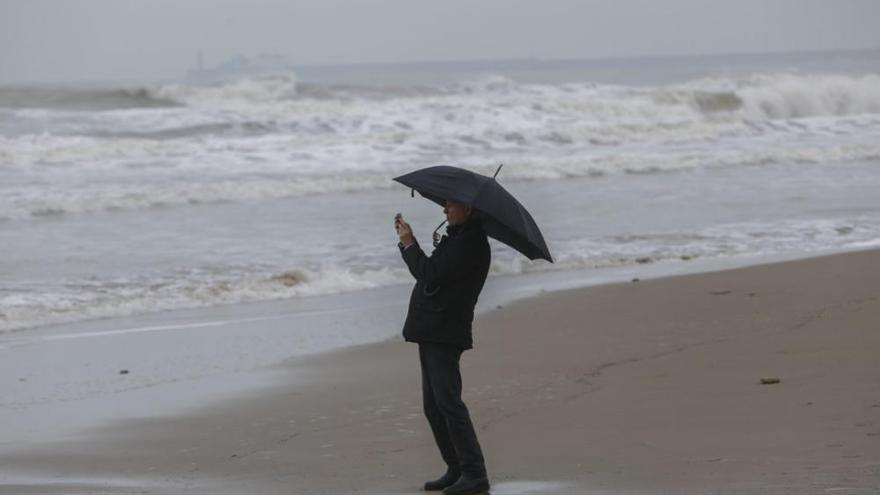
(498, 170)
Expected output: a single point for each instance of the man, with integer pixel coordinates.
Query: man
(441, 310)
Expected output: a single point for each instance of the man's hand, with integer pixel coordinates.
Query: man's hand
(404, 232)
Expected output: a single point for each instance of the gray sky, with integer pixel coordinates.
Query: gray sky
(68, 40)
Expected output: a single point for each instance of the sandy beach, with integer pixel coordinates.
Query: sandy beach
(202, 293)
(645, 387)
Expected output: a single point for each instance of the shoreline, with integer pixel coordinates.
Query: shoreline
(544, 281)
(658, 392)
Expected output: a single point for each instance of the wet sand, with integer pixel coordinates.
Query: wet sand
(643, 387)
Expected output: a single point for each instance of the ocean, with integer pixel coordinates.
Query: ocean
(121, 199)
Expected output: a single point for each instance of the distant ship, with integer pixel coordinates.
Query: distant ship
(239, 66)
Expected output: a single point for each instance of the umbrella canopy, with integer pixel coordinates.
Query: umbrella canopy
(504, 218)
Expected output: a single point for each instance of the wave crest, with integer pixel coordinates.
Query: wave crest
(797, 96)
(780, 96)
(84, 99)
(771, 96)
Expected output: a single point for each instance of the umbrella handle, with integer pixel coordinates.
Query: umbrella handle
(434, 235)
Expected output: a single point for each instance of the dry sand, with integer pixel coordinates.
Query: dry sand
(646, 387)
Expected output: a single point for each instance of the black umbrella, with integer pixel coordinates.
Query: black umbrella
(504, 218)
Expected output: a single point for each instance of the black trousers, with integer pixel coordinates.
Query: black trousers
(446, 412)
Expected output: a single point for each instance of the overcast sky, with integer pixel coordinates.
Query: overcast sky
(69, 40)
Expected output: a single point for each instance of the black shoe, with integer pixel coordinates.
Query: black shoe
(442, 482)
(468, 486)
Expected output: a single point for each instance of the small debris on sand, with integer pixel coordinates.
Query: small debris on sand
(644, 260)
(720, 292)
(635, 280)
(123, 372)
(769, 380)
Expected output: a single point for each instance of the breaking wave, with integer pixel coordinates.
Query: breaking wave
(786, 96)
(272, 137)
(197, 184)
(83, 99)
(774, 96)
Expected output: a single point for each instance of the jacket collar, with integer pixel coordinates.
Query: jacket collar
(454, 230)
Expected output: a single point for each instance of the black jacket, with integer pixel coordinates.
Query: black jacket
(448, 283)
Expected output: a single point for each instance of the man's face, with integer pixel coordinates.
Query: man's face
(456, 213)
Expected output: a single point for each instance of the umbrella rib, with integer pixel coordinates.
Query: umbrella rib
(480, 190)
(524, 220)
